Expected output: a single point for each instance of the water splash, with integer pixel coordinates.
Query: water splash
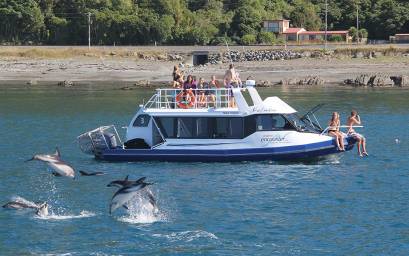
(53, 216)
(187, 236)
(141, 211)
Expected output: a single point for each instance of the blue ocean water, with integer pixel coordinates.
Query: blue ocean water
(342, 205)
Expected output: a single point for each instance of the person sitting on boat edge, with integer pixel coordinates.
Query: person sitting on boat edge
(177, 77)
(355, 119)
(333, 130)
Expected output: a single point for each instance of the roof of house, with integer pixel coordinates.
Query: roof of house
(278, 20)
(293, 30)
(338, 32)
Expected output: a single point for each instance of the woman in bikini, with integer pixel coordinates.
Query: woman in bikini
(354, 119)
(333, 130)
(177, 75)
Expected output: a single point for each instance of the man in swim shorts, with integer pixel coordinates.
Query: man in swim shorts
(354, 119)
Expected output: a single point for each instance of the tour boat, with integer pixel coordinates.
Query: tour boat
(213, 125)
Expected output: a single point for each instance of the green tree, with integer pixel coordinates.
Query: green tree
(20, 20)
(248, 39)
(304, 14)
(266, 37)
(248, 17)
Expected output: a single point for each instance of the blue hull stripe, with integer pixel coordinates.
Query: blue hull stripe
(225, 155)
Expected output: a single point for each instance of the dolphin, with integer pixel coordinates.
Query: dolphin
(126, 182)
(59, 167)
(42, 210)
(19, 205)
(125, 194)
(91, 173)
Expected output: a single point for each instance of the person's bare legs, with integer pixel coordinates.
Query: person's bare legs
(213, 99)
(341, 141)
(359, 147)
(335, 135)
(364, 147)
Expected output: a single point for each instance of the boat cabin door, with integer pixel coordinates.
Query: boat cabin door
(157, 136)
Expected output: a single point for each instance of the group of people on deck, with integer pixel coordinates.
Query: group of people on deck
(353, 119)
(205, 92)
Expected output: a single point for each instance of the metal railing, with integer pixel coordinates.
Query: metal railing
(191, 99)
(341, 126)
(104, 137)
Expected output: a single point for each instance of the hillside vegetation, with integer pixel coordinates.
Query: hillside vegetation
(140, 22)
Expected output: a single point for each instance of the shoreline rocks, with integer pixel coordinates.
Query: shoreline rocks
(253, 55)
(378, 80)
(309, 80)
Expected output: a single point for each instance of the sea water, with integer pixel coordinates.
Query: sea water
(342, 205)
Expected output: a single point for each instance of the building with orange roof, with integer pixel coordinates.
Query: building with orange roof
(300, 35)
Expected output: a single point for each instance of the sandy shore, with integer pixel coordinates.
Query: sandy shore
(125, 71)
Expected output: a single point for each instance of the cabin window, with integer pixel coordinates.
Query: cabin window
(227, 128)
(201, 127)
(167, 126)
(142, 121)
(185, 127)
(268, 122)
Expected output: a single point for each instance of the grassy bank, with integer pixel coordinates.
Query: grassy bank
(160, 52)
(43, 52)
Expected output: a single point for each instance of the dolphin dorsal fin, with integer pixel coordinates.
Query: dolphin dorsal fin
(57, 152)
(126, 178)
(140, 180)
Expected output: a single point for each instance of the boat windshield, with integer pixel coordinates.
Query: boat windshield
(302, 125)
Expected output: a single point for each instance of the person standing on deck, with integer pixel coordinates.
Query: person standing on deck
(230, 81)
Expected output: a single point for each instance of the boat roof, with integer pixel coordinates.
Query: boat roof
(165, 103)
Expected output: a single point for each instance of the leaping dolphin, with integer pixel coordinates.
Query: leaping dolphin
(41, 208)
(126, 182)
(59, 167)
(126, 193)
(16, 205)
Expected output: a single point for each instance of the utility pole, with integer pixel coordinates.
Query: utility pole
(326, 23)
(357, 22)
(89, 31)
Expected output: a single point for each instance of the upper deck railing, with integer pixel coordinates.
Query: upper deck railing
(191, 99)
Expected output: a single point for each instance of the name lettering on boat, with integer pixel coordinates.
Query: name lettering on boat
(274, 138)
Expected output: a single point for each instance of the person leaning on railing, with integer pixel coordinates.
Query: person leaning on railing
(214, 84)
(202, 89)
(189, 86)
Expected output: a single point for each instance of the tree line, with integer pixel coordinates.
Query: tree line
(140, 22)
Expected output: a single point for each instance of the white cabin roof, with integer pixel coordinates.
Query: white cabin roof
(274, 105)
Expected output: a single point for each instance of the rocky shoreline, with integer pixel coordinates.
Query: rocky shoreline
(270, 67)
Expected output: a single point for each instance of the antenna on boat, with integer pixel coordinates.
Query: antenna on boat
(228, 50)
